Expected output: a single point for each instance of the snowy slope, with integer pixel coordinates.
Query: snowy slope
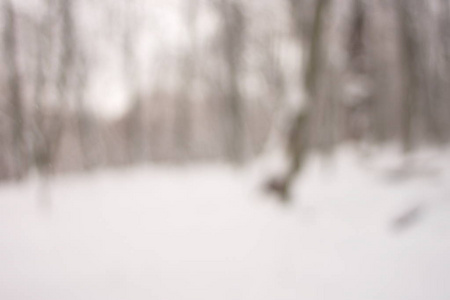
(358, 229)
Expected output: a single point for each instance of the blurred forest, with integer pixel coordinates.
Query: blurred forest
(92, 84)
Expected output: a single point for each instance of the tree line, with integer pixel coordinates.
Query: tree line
(311, 73)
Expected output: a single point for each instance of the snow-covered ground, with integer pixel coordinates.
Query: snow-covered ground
(358, 228)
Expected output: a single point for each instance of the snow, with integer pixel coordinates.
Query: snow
(208, 232)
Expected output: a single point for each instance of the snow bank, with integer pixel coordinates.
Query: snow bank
(359, 228)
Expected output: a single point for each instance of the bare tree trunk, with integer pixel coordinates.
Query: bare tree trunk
(299, 134)
(84, 122)
(50, 123)
(408, 46)
(444, 107)
(135, 131)
(233, 39)
(183, 116)
(14, 86)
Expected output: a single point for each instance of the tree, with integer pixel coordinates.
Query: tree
(233, 38)
(14, 90)
(298, 143)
